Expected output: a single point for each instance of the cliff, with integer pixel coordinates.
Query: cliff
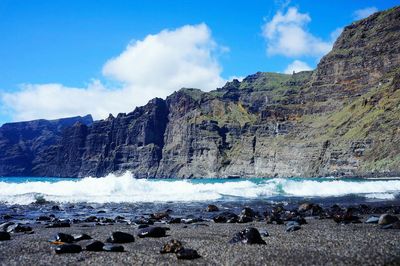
(343, 119)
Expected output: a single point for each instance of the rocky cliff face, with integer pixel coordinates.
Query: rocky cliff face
(343, 119)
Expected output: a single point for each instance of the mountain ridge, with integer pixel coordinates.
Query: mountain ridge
(341, 119)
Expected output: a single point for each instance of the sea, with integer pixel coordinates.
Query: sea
(30, 197)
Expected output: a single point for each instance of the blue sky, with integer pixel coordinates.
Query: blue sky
(61, 58)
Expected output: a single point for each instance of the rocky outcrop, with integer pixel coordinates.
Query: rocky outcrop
(24, 144)
(342, 119)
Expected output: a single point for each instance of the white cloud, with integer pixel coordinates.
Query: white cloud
(297, 66)
(286, 34)
(153, 67)
(364, 12)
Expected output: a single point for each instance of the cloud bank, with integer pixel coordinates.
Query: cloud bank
(153, 67)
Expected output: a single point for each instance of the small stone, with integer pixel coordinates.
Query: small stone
(212, 208)
(305, 207)
(68, 248)
(4, 236)
(226, 217)
(249, 212)
(18, 228)
(82, 237)
(56, 208)
(95, 246)
(244, 219)
(43, 218)
(372, 220)
(160, 215)
(91, 219)
(7, 217)
(113, 248)
(175, 221)
(172, 246)
(248, 236)
(66, 238)
(120, 237)
(386, 219)
(4, 226)
(187, 254)
(153, 231)
(292, 226)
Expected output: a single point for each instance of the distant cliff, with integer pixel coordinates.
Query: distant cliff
(343, 119)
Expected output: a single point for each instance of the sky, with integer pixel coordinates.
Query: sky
(62, 58)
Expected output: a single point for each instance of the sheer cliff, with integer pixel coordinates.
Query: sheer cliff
(343, 119)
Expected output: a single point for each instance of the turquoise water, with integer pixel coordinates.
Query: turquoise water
(117, 189)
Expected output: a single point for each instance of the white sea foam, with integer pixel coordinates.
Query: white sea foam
(127, 189)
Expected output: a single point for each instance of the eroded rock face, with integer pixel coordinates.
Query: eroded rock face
(340, 120)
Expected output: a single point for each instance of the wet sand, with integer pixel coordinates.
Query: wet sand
(320, 242)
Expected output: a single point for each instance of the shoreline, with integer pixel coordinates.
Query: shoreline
(305, 234)
(320, 242)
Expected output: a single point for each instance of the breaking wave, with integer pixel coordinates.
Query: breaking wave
(127, 189)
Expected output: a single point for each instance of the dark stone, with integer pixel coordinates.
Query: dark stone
(245, 219)
(82, 237)
(187, 254)
(226, 217)
(66, 238)
(346, 217)
(7, 217)
(95, 246)
(18, 228)
(372, 220)
(56, 208)
(153, 231)
(386, 219)
(4, 236)
(4, 226)
(101, 211)
(159, 215)
(120, 237)
(395, 225)
(172, 246)
(113, 248)
(249, 212)
(305, 207)
(292, 226)
(212, 208)
(91, 219)
(248, 236)
(43, 218)
(175, 221)
(68, 248)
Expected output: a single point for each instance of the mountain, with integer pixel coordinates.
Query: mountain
(343, 119)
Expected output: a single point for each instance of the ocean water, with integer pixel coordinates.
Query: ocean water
(125, 189)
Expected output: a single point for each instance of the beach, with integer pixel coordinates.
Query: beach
(319, 242)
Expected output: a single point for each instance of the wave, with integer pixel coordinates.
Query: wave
(127, 189)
